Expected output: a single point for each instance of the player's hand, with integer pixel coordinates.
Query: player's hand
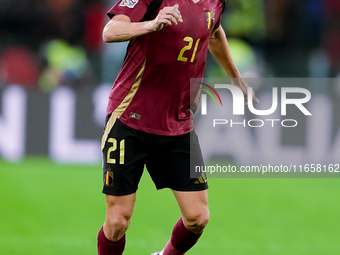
(166, 17)
(244, 87)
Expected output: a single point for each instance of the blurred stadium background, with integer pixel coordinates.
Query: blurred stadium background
(55, 75)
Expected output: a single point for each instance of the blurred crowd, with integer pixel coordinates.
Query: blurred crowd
(285, 38)
(47, 43)
(306, 35)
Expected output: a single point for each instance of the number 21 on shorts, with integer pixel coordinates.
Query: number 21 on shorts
(113, 148)
(188, 47)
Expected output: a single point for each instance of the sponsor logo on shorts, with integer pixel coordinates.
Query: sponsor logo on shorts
(201, 179)
(128, 3)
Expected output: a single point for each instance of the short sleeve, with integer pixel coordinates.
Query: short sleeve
(218, 22)
(134, 9)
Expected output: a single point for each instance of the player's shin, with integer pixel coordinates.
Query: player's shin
(181, 240)
(107, 247)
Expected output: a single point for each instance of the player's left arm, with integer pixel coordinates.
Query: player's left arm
(218, 46)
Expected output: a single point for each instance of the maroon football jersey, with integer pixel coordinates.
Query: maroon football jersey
(152, 90)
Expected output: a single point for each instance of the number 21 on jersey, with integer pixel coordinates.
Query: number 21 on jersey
(188, 47)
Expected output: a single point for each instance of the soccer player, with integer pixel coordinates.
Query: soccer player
(149, 120)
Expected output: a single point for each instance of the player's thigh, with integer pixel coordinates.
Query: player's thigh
(194, 207)
(119, 208)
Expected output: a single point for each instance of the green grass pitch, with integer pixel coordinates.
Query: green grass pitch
(51, 209)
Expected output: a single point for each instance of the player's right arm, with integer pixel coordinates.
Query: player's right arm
(120, 28)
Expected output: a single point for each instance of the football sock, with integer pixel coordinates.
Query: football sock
(107, 247)
(181, 240)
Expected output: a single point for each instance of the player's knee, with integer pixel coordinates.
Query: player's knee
(115, 227)
(117, 223)
(197, 222)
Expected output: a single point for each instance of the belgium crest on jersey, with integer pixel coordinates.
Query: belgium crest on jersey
(210, 20)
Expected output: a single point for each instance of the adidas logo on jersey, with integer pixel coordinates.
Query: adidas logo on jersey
(135, 116)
